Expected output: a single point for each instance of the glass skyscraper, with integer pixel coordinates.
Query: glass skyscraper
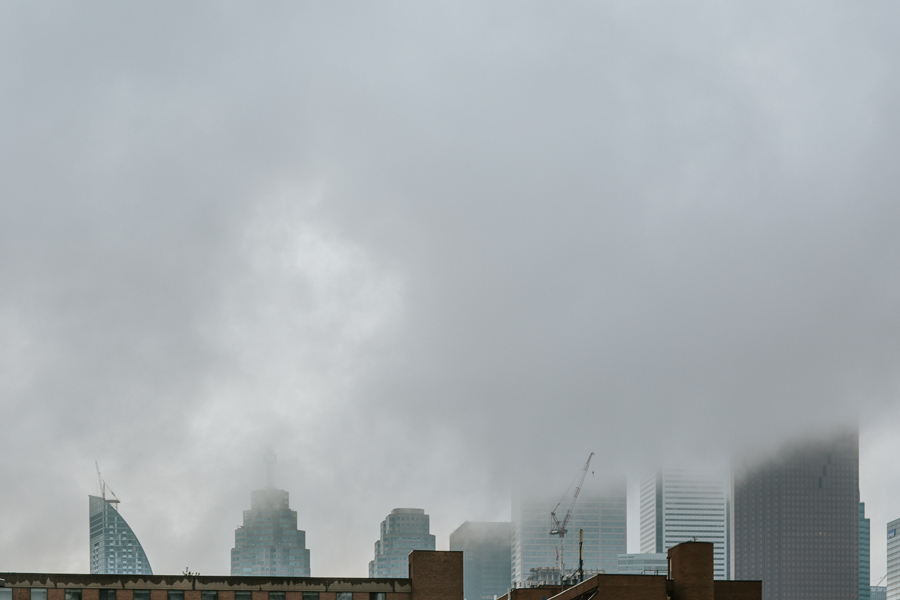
(893, 560)
(114, 547)
(486, 558)
(684, 503)
(602, 516)
(796, 521)
(865, 585)
(402, 531)
(269, 543)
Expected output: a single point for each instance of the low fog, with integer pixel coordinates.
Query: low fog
(429, 254)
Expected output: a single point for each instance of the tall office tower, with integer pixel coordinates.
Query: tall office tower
(878, 592)
(865, 584)
(402, 531)
(486, 558)
(893, 560)
(681, 504)
(115, 549)
(796, 521)
(269, 543)
(602, 516)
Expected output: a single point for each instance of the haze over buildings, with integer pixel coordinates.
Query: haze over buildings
(796, 521)
(600, 512)
(487, 552)
(268, 543)
(402, 531)
(432, 246)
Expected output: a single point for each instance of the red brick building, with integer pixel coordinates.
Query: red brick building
(432, 576)
(690, 578)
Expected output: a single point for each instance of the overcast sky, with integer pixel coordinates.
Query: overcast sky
(428, 252)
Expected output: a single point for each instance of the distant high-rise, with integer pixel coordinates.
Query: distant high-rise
(269, 543)
(878, 592)
(681, 504)
(865, 584)
(796, 522)
(893, 560)
(652, 563)
(486, 558)
(402, 531)
(115, 549)
(602, 516)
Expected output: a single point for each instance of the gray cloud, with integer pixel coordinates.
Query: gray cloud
(428, 254)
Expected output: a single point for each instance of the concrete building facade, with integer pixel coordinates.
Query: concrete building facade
(402, 531)
(796, 521)
(681, 504)
(487, 551)
(432, 576)
(114, 547)
(268, 543)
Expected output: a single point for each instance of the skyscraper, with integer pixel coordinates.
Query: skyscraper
(114, 547)
(865, 585)
(486, 558)
(893, 560)
(269, 543)
(602, 516)
(796, 521)
(683, 503)
(402, 531)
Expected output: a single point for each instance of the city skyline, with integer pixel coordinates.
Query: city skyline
(433, 253)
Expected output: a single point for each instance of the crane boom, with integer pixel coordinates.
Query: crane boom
(558, 527)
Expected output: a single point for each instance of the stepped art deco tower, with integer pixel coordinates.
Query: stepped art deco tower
(115, 550)
(269, 543)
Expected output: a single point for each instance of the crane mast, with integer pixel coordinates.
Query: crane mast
(558, 527)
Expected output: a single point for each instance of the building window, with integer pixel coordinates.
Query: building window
(207, 595)
(310, 595)
(377, 596)
(138, 595)
(73, 595)
(38, 593)
(244, 595)
(344, 596)
(173, 595)
(276, 595)
(5, 593)
(106, 595)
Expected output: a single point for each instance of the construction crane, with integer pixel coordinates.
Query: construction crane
(558, 527)
(104, 487)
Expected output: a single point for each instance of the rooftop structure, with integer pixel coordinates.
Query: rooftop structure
(433, 576)
(690, 578)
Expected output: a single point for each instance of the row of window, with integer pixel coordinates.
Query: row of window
(75, 594)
